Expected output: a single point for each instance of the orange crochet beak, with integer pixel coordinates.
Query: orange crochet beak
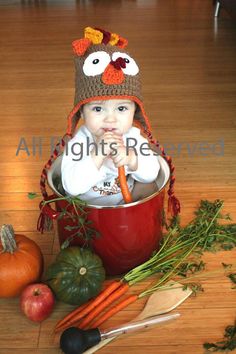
(113, 75)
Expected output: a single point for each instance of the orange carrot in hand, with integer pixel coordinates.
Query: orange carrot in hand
(123, 185)
(120, 306)
(114, 296)
(84, 309)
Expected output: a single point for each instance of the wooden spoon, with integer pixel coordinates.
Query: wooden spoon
(158, 303)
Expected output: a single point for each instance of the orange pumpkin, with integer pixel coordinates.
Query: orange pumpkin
(21, 262)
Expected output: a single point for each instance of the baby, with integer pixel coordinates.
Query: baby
(108, 98)
(110, 141)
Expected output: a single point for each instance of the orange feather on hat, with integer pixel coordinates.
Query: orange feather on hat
(81, 45)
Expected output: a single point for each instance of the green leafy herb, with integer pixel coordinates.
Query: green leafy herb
(190, 267)
(32, 195)
(76, 214)
(228, 344)
(195, 287)
(226, 266)
(232, 277)
(181, 247)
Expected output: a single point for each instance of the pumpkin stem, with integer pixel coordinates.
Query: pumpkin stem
(7, 236)
(82, 271)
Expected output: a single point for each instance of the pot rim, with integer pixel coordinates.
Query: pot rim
(162, 161)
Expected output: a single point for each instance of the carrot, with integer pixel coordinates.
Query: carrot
(71, 315)
(115, 295)
(120, 306)
(83, 310)
(123, 185)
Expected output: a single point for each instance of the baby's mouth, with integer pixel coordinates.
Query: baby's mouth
(109, 129)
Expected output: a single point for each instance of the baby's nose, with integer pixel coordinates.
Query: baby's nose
(110, 117)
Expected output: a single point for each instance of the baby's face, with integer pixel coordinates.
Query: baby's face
(114, 115)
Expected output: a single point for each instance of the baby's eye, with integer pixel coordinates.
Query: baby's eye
(96, 63)
(122, 108)
(131, 66)
(97, 109)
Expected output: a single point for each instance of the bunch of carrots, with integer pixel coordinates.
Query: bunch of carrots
(90, 315)
(86, 313)
(177, 246)
(172, 253)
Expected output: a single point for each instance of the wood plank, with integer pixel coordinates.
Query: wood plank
(44, 241)
(164, 349)
(24, 334)
(189, 87)
(19, 184)
(21, 220)
(203, 325)
(29, 351)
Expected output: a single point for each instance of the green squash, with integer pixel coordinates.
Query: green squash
(76, 275)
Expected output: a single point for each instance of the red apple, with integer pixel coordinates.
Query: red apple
(37, 302)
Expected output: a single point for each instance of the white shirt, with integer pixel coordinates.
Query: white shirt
(81, 177)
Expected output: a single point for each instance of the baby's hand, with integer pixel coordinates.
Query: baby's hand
(105, 143)
(104, 147)
(124, 157)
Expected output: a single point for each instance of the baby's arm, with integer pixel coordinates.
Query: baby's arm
(80, 172)
(148, 164)
(78, 175)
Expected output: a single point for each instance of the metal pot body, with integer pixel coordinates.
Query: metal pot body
(128, 236)
(129, 233)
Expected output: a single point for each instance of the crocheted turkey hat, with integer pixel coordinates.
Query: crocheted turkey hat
(105, 70)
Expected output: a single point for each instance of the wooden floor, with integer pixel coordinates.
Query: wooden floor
(189, 83)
